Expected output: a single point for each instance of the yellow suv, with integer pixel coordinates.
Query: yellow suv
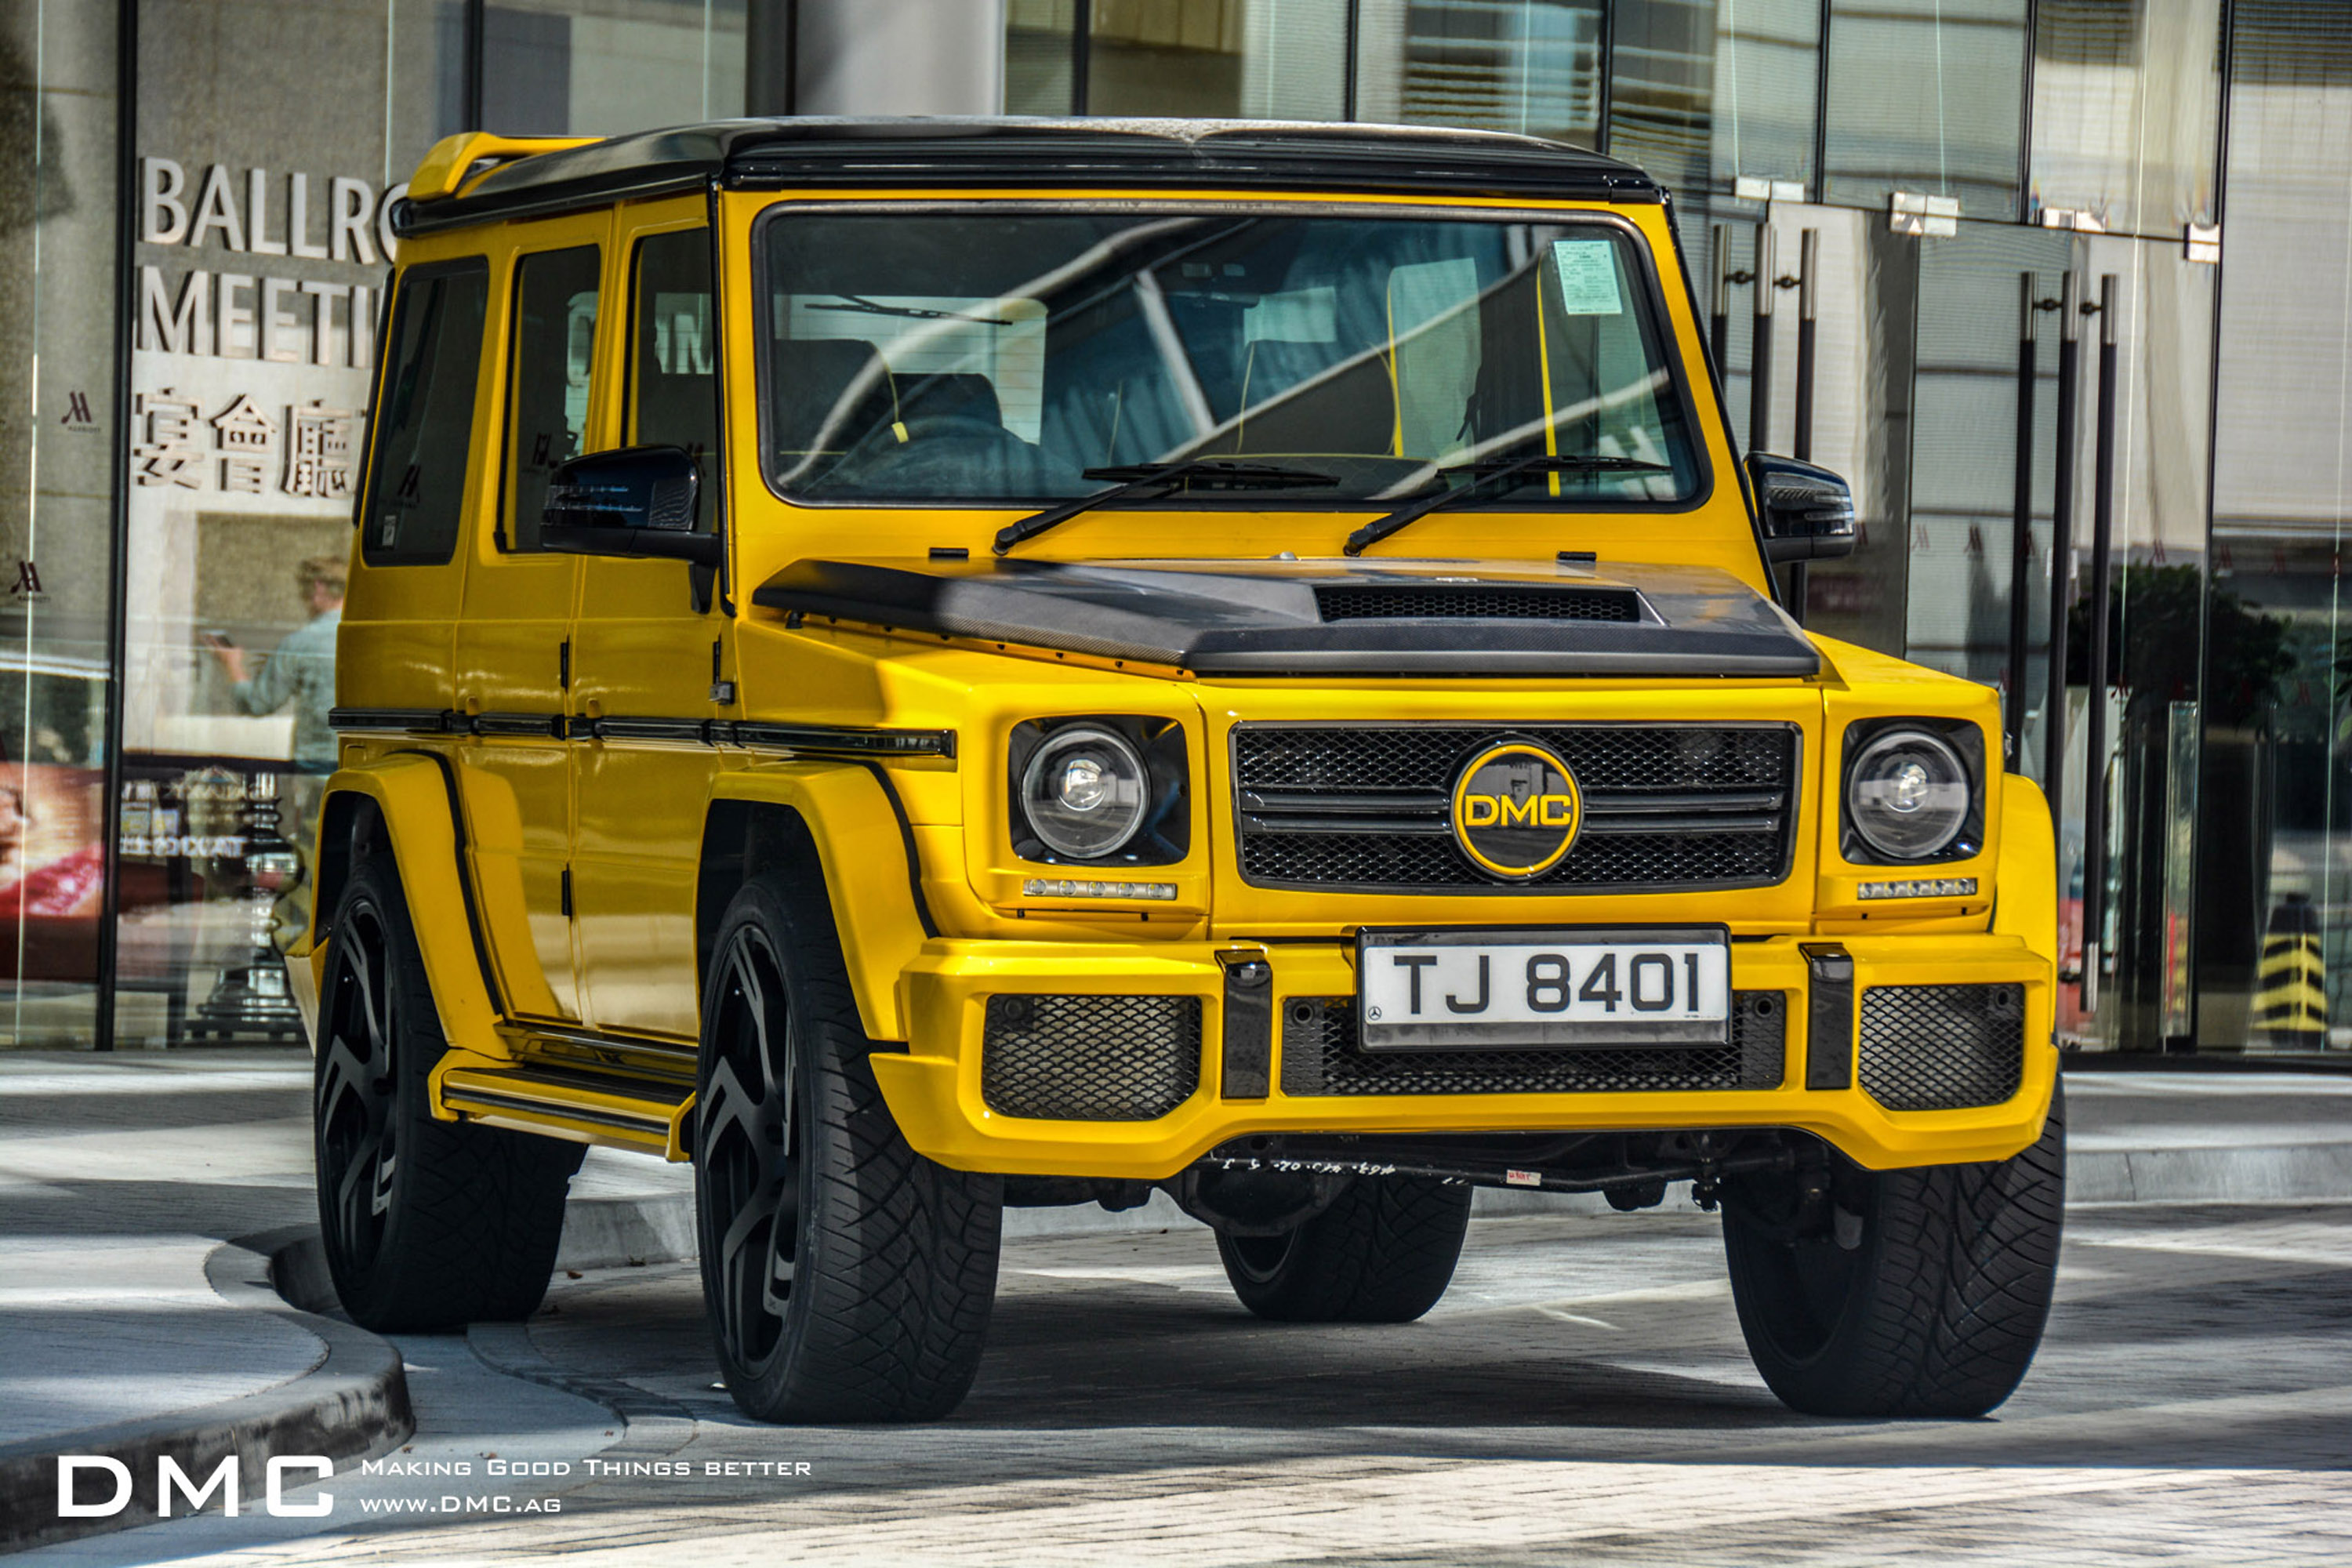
(929, 665)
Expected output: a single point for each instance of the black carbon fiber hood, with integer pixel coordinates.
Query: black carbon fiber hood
(1324, 618)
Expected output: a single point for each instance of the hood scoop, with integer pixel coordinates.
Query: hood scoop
(1322, 618)
(1476, 602)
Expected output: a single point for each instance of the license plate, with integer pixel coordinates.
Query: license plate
(1579, 986)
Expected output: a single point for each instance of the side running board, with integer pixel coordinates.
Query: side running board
(595, 1108)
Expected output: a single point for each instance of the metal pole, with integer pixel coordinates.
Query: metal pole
(1082, 50)
(1354, 35)
(1759, 354)
(2095, 756)
(770, 29)
(477, 22)
(2062, 549)
(118, 602)
(1808, 245)
(1718, 334)
(2021, 545)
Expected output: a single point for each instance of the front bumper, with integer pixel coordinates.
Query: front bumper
(935, 1089)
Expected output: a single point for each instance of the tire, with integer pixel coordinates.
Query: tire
(427, 1225)
(1383, 1253)
(849, 1278)
(1938, 1308)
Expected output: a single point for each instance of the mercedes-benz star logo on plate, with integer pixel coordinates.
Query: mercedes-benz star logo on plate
(1516, 810)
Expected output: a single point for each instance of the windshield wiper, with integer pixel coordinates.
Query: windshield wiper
(1139, 479)
(865, 307)
(1489, 473)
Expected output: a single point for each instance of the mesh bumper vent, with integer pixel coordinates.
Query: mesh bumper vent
(1090, 1058)
(1942, 1047)
(1319, 1056)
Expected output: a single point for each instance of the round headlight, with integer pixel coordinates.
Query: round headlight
(1084, 792)
(1907, 794)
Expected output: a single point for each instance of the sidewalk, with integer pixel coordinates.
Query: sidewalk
(148, 1201)
(150, 1208)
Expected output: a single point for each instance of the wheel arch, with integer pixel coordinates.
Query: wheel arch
(405, 803)
(804, 820)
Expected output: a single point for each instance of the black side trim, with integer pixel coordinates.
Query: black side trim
(693, 731)
(407, 720)
(465, 881)
(1829, 1016)
(848, 741)
(546, 726)
(1248, 1026)
(905, 837)
(802, 739)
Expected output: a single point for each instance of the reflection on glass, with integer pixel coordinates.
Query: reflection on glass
(57, 453)
(1767, 73)
(954, 356)
(1926, 96)
(1037, 66)
(1964, 453)
(1166, 57)
(2128, 111)
(1661, 93)
(1531, 66)
(558, 67)
(2275, 839)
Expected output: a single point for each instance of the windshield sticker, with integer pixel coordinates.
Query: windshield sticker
(1588, 276)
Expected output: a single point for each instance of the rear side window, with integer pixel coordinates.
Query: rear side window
(674, 354)
(556, 343)
(416, 479)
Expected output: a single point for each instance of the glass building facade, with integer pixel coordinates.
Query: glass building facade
(2064, 286)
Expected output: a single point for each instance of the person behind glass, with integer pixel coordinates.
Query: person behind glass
(299, 670)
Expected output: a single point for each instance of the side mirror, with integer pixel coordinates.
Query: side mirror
(1808, 512)
(639, 500)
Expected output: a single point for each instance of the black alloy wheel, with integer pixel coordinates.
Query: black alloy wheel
(426, 1225)
(748, 1171)
(847, 1278)
(1918, 1292)
(357, 1109)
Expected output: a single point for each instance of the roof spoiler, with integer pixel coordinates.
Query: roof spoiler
(454, 159)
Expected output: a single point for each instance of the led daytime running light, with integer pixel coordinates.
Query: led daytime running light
(1934, 888)
(1063, 888)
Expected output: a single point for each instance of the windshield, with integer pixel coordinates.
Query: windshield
(997, 357)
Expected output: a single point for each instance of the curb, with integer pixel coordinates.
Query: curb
(613, 1233)
(352, 1405)
(2312, 1172)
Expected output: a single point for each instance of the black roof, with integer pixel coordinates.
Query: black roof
(773, 155)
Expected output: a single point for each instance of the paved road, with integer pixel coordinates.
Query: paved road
(1581, 1395)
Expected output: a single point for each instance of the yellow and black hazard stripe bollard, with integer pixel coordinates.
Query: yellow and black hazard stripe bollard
(2291, 987)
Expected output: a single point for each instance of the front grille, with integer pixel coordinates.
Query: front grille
(1942, 1047)
(1667, 805)
(1468, 602)
(1320, 1055)
(1090, 1058)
